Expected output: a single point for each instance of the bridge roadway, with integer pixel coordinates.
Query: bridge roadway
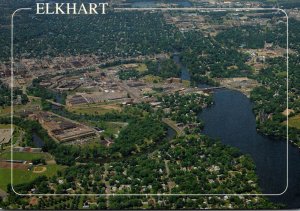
(212, 88)
(55, 103)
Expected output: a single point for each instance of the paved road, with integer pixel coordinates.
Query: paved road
(173, 125)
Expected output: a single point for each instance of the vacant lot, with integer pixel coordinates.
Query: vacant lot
(95, 108)
(5, 136)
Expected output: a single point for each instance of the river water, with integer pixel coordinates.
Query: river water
(37, 141)
(232, 121)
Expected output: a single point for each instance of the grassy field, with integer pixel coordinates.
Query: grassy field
(95, 108)
(151, 78)
(21, 176)
(141, 68)
(114, 127)
(34, 101)
(186, 83)
(4, 126)
(294, 121)
(24, 156)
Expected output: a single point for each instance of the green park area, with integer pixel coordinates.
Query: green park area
(4, 126)
(95, 108)
(22, 175)
(28, 156)
(294, 121)
(141, 67)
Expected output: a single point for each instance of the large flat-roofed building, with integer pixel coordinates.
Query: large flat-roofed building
(62, 129)
(97, 97)
(73, 134)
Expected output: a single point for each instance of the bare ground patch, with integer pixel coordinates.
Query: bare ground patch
(39, 169)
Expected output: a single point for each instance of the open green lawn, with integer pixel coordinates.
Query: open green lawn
(21, 176)
(141, 68)
(24, 155)
(114, 127)
(4, 126)
(295, 121)
(151, 78)
(95, 108)
(34, 101)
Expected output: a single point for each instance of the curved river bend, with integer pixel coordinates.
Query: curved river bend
(232, 121)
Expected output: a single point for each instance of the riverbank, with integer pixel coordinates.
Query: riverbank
(232, 121)
(241, 84)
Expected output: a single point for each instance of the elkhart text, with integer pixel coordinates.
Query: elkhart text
(71, 8)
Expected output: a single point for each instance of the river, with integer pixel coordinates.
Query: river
(37, 141)
(232, 121)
